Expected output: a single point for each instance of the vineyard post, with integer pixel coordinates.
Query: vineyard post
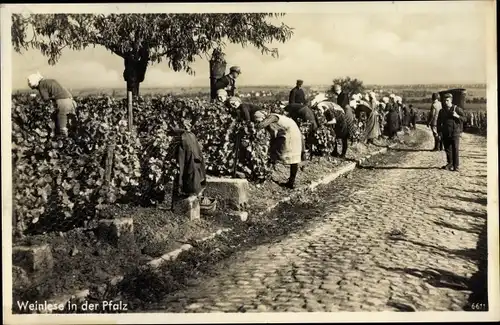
(109, 163)
(130, 116)
(237, 151)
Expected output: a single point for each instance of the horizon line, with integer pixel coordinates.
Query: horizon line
(285, 85)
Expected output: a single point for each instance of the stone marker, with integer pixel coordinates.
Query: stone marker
(232, 192)
(20, 277)
(33, 258)
(116, 231)
(239, 215)
(189, 207)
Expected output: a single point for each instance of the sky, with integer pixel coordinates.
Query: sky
(431, 45)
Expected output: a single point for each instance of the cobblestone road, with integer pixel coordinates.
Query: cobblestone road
(406, 240)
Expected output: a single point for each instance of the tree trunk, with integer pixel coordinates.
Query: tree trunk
(133, 86)
(217, 65)
(135, 70)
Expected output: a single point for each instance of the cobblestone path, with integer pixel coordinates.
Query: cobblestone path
(406, 240)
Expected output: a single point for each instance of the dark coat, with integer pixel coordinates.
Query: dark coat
(392, 126)
(227, 83)
(50, 89)
(342, 128)
(343, 99)
(302, 112)
(406, 116)
(413, 115)
(297, 96)
(192, 174)
(349, 112)
(449, 126)
(246, 111)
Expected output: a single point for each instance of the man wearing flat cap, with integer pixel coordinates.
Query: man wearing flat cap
(450, 124)
(228, 82)
(297, 95)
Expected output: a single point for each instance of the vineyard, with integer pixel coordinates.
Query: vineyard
(60, 183)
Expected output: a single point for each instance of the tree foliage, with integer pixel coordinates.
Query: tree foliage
(141, 39)
(349, 86)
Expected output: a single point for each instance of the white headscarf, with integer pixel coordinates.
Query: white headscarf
(353, 103)
(385, 100)
(373, 95)
(235, 102)
(34, 79)
(221, 95)
(399, 100)
(259, 116)
(356, 97)
(318, 98)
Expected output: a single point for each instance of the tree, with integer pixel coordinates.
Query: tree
(141, 39)
(349, 86)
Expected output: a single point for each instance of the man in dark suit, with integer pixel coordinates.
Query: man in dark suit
(342, 97)
(450, 124)
(228, 82)
(297, 95)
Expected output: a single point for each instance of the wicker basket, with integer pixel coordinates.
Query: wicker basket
(208, 205)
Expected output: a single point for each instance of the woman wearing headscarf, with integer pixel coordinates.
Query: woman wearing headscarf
(343, 124)
(51, 90)
(413, 117)
(300, 114)
(392, 119)
(222, 96)
(382, 109)
(406, 115)
(399, 103)
(372, 130)
(244, 111)
(286, 141)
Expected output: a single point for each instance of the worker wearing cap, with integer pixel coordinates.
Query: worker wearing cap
(297, 95)
(244, 111)
(450, 125)
(228, 82)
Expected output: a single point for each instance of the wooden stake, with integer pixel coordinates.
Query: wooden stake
(130, 116)
(109, 163)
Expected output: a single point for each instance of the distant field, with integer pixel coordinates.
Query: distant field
(473, 107)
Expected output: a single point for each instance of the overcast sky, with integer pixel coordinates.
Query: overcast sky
(390, 46)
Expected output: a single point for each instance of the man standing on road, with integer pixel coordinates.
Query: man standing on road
(432, 121)
(449, 124)
(228, 82)
(297, 95)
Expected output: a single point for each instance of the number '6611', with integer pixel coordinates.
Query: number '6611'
(478, 306)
